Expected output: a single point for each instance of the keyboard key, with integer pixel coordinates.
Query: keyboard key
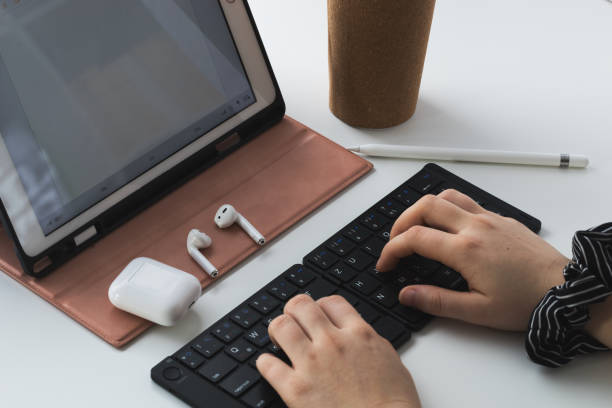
(406, 196)
(387, 277)
(417, 280)
(376, 273)
(357, 233)
(240, 381)
(440, 188)
(342, 272)
(319, 288)
(207, 345)
(278, 352)
(359, 260)
(365, 283)
(264, 304)
(352, 299)
(402, 279)
(299, 275)
(446, 277)
(240, 350)
(460, 285)
(385, 233)
(366, 311)
(217, 368)
(390, 208)
(258, 335)
(421, 271)
(424, 181)
(424, 266)
(245, 316)
(226, 331)
(410, 314)
(410, 267)
(389, 328)
(322, 258)
(190, 358)
(272, 316)
(340, 246)
(262, 395)
(253, 360)
(282, 289)
(374, 221)
(274, 349)
(386, 296)
(374, 246)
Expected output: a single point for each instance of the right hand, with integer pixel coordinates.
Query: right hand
(508, 268)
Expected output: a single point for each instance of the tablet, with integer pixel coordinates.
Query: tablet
(105, 105)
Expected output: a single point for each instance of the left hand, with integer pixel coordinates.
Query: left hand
(338, 359)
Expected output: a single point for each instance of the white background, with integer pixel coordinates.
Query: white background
(515, 75)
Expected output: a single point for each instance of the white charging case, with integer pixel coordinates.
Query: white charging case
(154, 291)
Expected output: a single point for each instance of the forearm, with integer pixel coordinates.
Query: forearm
(600, 325)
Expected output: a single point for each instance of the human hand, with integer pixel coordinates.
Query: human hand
(508, 268)
(338, 360)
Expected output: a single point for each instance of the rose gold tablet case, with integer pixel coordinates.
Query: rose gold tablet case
(66, 249)
(279, 171)
(274, 180)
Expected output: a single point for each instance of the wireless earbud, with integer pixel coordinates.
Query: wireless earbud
(197, 240)
(227, 215)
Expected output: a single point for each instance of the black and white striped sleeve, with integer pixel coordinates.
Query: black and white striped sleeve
(556, 329)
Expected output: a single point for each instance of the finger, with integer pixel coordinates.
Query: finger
(285, 332)
(466, 306)
(275, 371)
(428, 242)
(432, 211)
(339, 311)
(309, 315)
(461, 200)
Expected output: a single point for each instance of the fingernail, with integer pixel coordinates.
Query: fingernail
(407, 296)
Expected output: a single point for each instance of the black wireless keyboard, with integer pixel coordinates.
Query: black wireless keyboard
(217, 368)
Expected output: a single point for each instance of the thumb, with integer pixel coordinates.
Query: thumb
(467, 306)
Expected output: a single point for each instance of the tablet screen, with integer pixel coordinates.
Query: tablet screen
(94, 93)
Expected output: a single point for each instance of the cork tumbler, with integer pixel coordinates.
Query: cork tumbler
(376, 54)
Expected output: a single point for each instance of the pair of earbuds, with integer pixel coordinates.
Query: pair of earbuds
(225, 217)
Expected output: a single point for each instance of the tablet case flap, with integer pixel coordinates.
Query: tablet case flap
(274, 181)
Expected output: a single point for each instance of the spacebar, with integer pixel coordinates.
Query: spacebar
(192, 389)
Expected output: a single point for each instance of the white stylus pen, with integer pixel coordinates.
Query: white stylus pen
(472, 155)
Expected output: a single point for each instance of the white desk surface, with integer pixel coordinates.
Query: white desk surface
(514, 75)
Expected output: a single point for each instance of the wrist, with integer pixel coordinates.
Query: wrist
(600, 325)
(553, 276)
